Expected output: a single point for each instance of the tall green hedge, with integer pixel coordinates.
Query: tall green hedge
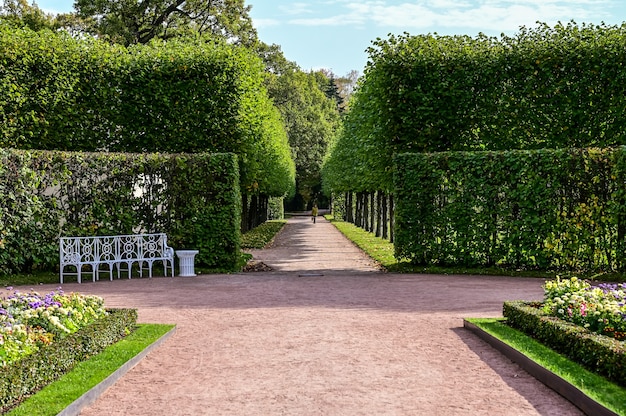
(546, 87)
(193, 198)
(193, 95)
(547, 209)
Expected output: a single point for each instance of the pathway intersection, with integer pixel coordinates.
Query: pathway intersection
(325, 333)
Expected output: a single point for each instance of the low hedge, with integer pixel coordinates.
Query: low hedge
(262, 235)
(23, 378)
(601, 354)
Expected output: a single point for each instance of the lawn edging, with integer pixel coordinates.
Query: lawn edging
(92, 395)
(585, 403)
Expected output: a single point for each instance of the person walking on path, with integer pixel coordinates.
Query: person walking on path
(314, 212)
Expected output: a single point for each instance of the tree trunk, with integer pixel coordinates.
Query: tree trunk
(244, 212)
(366, 211)
(378, 213)
(392, 218)
(253, 216)
(384, 217)
(350, 207)
(372, 197)
(265, 207)
(359, 210)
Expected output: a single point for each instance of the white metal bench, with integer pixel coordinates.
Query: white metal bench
(114, 251)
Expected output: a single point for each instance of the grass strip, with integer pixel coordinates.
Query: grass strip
(610, 395)
(377, 248)
(262, 235)
(382, 251)
(55, 397)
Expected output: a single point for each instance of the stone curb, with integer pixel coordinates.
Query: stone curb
(585, 403)
(89, 397)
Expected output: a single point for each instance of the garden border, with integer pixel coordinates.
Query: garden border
(92, 395)
(585, 403)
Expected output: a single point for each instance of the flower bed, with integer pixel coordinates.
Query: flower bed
(30, 321)
(43, 337)
(600, 309)
(583, 322)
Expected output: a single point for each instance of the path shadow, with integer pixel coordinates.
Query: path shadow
(515, 377)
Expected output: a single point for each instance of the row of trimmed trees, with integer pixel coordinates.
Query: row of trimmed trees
(200, 95)
(309, 103)
(546, 87)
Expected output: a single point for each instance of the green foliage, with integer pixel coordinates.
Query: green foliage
(276, 209)
(311, 120)
(262, 235)
(19, 13)
(193, 95)
(560, 87)
(539, 209)
(601, 354)
(55, 397)
(194, 199)
(22, 378)
(129, 22)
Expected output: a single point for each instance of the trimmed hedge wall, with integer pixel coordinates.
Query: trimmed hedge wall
(193, 198)
(544, 87)
(536, 209)
(193, 95)
(25, 377)
(601, 354)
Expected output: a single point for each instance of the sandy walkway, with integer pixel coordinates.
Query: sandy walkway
(350, 342)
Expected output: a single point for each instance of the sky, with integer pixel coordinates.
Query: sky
(334, 34)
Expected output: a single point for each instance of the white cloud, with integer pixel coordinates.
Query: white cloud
(261, 23)
(482, 15)
(297, 9)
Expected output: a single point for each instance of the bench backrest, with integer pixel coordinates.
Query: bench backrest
(114, 248)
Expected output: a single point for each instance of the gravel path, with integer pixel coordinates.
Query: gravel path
(324, 334)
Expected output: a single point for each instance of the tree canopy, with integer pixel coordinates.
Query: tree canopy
(311, 120)
(180, 95)
(548, 87)
(130, 21)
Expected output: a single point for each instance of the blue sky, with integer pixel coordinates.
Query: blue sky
(334, 34)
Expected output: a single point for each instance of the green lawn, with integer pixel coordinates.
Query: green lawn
(57, 396)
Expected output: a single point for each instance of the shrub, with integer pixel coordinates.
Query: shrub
(574, 319)
(262, 235)
(24, 377)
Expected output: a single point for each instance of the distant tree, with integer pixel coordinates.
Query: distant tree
(131, 21)
(311, 120)
(332, 92)
(18, 13)
(338, 88)
(274, 59)
(347, 84)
